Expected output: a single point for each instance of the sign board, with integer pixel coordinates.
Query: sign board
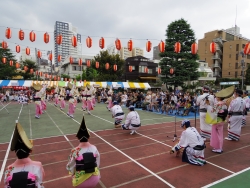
(229, 83)
(248, 88)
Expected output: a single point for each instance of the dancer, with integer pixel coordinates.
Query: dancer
(203, 101)
(37, 100)
(247, 101)
(89, 99)
(117, 113)
(72, 106)
(192, 143)
(23, 172)
(84, 161)
(56, 96)
(235, 113)
(43, 98)
(110, 93)
(132, 121)
(84, 99)
(62, 100)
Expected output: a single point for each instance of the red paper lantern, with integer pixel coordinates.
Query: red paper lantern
(58, 78)
(171, 71)
(32, 36)
(11, 63)
(146, 69)
(17, 65)
(46, 75)
(130, 45)
(40, 74)
(247, 48)
(59, 58)
(74, 41)
(59, 39)
(118, 44)
(80, 62)
(4, 60)
(18, 49)
(159, 70)
(39, 54)
(148, 46)
(70, 60)
(21, 34)
(194, 48)
(88, 63)
(213, 47)
(97, 65)
(4, 45)
(8, 33)
(31, 71)
(37, 72)
(102, 43)
(46, 37)
(50, 56)
(89, 42)
(25, 68)
(55, 78)
(161, 46)
(115, 67)
(130, 68)
(27, 50)
(107, 66)
(177, 47)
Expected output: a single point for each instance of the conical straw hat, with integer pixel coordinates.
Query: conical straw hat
(225, 93)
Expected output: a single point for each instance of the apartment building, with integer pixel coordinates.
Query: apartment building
(227, 61)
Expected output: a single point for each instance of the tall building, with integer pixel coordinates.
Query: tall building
(227, 61)
(125, 53)
(156, 52)
(137, 52)
(67, 30)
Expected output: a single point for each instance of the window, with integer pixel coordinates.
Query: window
(133, 67)
(204, 65)
(205, 44)
(150, 71)
(236, 65)
(228, 73)
(73, 68)
(205, 59)
(243, 45)
(229, 55)
(237, 56)
(237, 47)
(229, 37)
(142, 69)
(205, 51)
(236, 74)
(230, 47)
(229, 64)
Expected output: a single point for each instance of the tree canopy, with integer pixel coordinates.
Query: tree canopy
(184, 63)
(7, 71)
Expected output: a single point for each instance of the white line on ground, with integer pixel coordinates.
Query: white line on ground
(8, 149)
(228, 177)
(5, 107)
(139, 164)
(60, 130)
(221, 167)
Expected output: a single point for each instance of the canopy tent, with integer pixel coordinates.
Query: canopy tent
(115, 85)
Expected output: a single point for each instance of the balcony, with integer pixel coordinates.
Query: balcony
(218, 41)
(216, 74)
(216, 57)
(218, 50)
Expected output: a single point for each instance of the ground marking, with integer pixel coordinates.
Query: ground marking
(5, 106)
(228, 177)
(221, 167)
(60, 131)
(8, 149)
(139, 164)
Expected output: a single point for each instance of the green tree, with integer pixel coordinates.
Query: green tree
(247, 76)
(7, 71)
(184, 63)
(65, 76)
(31, 65)
(107, 75)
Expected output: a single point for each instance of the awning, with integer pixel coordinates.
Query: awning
(134, 85)
(4, 83)
(117, 84)
(149, 78)
(125, 85)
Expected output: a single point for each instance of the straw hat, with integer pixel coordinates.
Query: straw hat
(20, 136)
(225, 93)
(70, 85)
(37, 87)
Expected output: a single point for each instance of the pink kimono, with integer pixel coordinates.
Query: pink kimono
(71, 108)
(38, 108)
(62, 103)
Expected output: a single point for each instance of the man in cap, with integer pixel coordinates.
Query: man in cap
(84, 160)
(203, 101)
(132, 121)
(117, 113)
(235, 113)
(23, 172)
(193, 145)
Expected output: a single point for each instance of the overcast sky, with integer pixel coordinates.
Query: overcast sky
(125, 19)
